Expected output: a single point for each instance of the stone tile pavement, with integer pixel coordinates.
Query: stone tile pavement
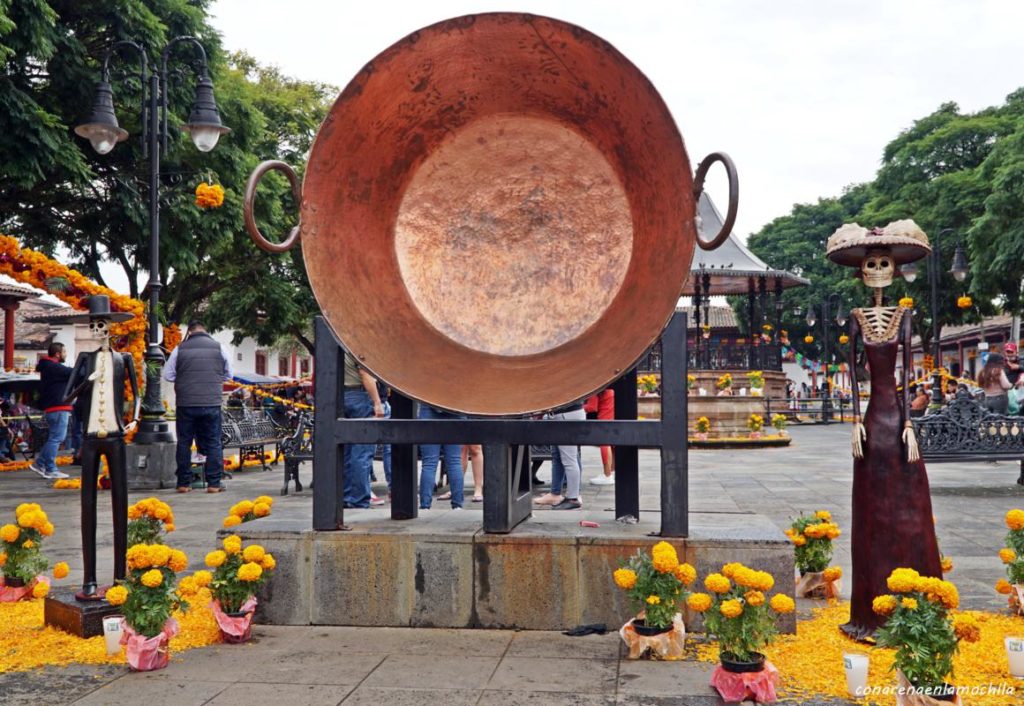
(331, 665)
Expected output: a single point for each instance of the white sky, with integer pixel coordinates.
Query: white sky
(803, 94)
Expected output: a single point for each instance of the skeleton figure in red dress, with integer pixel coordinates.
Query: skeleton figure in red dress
(892, 509)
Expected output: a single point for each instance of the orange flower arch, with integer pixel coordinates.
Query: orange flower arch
(36, 269)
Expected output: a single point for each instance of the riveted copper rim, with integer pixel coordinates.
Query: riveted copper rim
(497, 214)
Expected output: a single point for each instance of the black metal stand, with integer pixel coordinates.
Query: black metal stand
(506, 444)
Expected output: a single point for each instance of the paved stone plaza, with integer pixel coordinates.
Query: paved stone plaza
(321, 665)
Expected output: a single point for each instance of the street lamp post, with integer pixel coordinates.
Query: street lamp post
(103, 132)
(959, 271)
(826, 393)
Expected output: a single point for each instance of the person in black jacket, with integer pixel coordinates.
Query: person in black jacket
(53, 378)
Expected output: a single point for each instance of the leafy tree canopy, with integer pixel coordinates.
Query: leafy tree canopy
(57, 193)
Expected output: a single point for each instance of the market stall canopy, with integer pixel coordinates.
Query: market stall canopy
(256, 379)
(732, 265)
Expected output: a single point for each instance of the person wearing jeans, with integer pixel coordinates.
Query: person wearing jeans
(53, 377)
(568, 462)
(361, 400)
(431, 454)
(198, 367)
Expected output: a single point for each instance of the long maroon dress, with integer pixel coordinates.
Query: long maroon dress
(893, 525)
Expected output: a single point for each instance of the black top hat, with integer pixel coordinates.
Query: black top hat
(99, 308)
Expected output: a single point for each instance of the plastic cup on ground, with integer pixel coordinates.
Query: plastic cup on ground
(856, 666)
(112, 633)
(1015, 656)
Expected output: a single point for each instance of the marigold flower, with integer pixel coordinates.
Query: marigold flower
(1002, 586)
(232, 520)
(159, 555)
(754, 598)
(177, 561)
(906, 302)
(698, 602)
(161, 512)
(1015, 519)
(233, 544)
(61, 570)
(967, 628)
(169, 527)
(823, 515)
(625, 578)
(268, 563)
(152, 578)
(27, 520)
(242, 509)
(781, 603)
(731, 608)
(832, 573)
(47, 529)
(832, 531)
(216, 558)
(209, 195)
(250, 572)
(1007, 555)
(799, 540)
(40, 590)
(187, 586)
(808, 338)
(909, 603)
(254, 553)
(902, 580)
(264, 500)
(730, 569)
(664, 557)
(815, 531)
(686, 574)
(3, 558)
(964, 302)
(261, 509)
(117, 595)
(28, 544)
(653, 600)
(947, 564)
(717, 583)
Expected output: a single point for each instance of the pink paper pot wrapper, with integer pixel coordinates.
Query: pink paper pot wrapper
(813, 585)
(11, 594)
(232, 628)
(759, 686)
(667, 645)
(148, 653)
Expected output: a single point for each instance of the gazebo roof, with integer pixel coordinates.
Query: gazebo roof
(731, 264)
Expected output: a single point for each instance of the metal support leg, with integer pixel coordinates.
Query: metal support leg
(404, 489)
(674, 472)
(328, 458)
(507, 487)
(627, 462)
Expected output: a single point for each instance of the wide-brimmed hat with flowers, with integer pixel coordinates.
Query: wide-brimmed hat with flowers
(904, 239)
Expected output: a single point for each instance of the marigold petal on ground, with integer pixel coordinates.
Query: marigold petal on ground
(61, 570)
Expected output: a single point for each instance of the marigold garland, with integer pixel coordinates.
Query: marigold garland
(209, 195)
(36, 269)
(21, 465)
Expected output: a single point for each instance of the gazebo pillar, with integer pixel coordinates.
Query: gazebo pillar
(777, 345)
(762, 295)
(9, 306)
(751, 325)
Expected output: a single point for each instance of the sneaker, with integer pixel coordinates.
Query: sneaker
(55, 475)
(602, 480)
(568, 504)
(36, 469)
(377, 502)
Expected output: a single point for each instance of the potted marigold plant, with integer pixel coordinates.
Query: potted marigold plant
(812, 536)
(919, 628)
(148, 521)
(248, 510)
(691, 381)
(648, 384)
(755, 423)
(21, 556)
(779, 422)
(148, 598)
(702, 427)
(724, 382)
(1013, 556)
(237, 575)
(656, 586)
(755, 378)
(738, 611)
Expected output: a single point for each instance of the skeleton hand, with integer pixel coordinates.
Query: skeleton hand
(130, 426)
(910, 439)
(94, 376)
(859, 435)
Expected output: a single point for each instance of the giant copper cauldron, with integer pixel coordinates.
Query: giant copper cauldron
(498, 214)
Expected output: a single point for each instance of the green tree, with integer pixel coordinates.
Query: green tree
(57, 194)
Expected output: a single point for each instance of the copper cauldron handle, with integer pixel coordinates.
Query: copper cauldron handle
(250, 198)
(734, 196)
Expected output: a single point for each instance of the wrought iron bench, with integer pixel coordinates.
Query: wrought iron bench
(297, 447)
(964, 430)
(251, 431)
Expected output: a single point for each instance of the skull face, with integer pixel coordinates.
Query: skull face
(98, 327)
(878, 268)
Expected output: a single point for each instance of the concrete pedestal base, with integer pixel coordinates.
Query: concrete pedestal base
(443, 571)
(151, 466)
(84, 619)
